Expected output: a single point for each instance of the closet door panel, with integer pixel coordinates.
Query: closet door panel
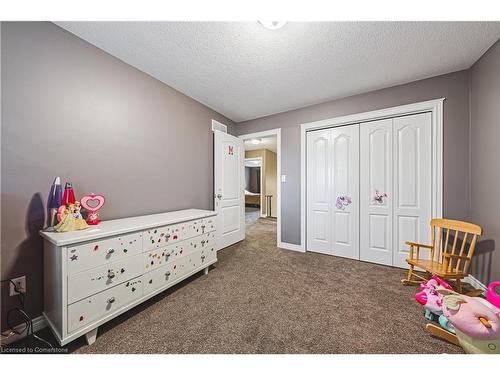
(345, 191)
(319, 191)
(376, 176)
(412, 183)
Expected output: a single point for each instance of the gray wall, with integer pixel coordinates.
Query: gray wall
(454, 86)
(71, 110)
(485, 162)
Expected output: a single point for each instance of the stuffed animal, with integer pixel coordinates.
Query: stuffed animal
(432, 301)
(476, 322)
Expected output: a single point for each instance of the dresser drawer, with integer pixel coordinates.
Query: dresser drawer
(160, 237)
(208, 224)
(200, 258)
(92, 281)
(165, 274)
(163, 236)
(201, 226)
(204, 241)
(158, 258)
(97, 253)
(97, 306)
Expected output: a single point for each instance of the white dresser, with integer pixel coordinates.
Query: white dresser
(93, 275)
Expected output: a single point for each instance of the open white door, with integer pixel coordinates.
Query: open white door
(229, 185)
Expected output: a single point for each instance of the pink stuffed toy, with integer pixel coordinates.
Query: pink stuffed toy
(430, 298)
(476, 321)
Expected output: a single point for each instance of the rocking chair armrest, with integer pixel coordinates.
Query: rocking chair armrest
(418, 246)
(448, 255)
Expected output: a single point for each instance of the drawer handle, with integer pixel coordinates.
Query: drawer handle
(167, 273)
(111, 300)
(167, 255)
(167, 236)
(111, 251)
(203, 242)
(111, 274)
(202, 257)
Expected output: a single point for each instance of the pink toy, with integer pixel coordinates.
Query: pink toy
(476, 321)
(491, 295)
(92, 203)
(430, 298)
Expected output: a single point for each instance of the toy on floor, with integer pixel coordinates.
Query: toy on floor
(71, 218)
(491, 296)
(92, 203)
(432, 301)
(476, 322)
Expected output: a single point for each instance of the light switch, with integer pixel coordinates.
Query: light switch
(283, 178)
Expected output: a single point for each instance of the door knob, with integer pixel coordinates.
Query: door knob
(111, 300)
(111, 274)
(111, 251)
(219, 196)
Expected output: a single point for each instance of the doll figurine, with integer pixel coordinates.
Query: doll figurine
(71, 218)
(80, 223)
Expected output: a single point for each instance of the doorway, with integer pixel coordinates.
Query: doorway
(253, 189)
(263, 178)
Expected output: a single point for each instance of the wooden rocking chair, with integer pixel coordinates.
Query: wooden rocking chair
(446, 259)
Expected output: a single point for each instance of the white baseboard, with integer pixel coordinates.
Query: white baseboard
(291, 246)
(38, 323)
(475, 282)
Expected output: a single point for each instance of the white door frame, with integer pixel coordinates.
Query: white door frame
(277, 133)
(434, 106)
(259, 158)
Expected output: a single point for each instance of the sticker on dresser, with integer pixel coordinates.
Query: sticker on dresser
(99, 305)
(89, 282)
(160, 237)
(96, 253)
(157, 258)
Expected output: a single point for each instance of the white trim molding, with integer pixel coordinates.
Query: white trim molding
(39, 323)
(270, 133)
(434, 106)
(291, 246)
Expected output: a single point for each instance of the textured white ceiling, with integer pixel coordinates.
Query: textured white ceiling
(245, 71)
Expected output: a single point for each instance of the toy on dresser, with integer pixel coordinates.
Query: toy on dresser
(65, 211)
(92, 203)
(70, 218)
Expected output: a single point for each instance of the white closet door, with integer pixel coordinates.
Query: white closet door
(376, 176)
(345, 191)
(412, 183)
(319, 191)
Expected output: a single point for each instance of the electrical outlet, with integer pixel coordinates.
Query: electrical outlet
(20, 285)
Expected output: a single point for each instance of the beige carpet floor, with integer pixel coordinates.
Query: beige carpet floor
(261, 299)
